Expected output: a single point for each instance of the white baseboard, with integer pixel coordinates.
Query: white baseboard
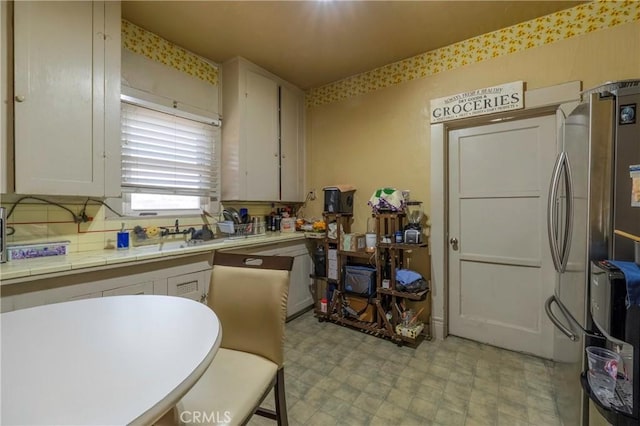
(438, 328)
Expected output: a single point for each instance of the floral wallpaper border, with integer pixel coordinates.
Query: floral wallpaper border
(548, 29)
(143, 42)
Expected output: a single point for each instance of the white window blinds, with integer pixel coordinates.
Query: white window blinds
(163, 153)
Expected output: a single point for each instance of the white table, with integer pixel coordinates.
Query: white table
(109, 361)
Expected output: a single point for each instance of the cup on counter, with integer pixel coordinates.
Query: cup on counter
(370, 242)
(122, 240)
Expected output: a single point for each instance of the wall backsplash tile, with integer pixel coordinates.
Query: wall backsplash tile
(578, 20)
(36, 223)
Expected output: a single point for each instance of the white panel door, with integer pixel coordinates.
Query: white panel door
(261, 127)
(500, 271)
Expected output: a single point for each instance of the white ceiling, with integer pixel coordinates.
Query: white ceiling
(312, 43)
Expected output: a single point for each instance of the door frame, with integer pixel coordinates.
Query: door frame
(558, 99)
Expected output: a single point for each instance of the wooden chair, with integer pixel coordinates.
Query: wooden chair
(248, 293)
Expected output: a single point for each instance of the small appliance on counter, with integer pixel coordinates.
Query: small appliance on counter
(413, 230)
(338, 199)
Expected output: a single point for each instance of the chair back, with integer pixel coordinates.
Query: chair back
(249, 294)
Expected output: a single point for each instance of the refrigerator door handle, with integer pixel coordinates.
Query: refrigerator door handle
(568, 217)
(552, 211)
(565, 330)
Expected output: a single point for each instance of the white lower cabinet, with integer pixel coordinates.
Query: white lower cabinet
(300, 297)
(190, 280)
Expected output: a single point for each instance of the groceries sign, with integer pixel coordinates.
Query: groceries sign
(478, 102)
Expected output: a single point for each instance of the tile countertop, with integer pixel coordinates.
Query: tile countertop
(17, 269)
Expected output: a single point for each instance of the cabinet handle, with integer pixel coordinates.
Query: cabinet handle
(275, 154)
(20, 98)
(284, 156)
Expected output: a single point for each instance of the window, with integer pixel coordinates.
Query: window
(170, 160)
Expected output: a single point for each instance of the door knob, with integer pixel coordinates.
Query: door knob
(20, 98)
(454, 243)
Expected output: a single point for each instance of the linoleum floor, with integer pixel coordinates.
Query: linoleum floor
(338, 376)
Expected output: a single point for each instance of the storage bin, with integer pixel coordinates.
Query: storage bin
(360, 280)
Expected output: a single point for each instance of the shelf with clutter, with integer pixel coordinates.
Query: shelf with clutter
(363, 280)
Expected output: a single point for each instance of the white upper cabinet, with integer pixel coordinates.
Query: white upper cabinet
(67, 98)
(291, 144)
(261, 131)
(6, 97)
(262, 135)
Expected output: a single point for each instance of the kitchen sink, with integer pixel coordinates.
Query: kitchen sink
(192, 243)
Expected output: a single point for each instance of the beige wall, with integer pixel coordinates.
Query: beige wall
(383, 138)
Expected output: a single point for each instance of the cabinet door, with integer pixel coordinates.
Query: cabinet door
(6, 97)
(59, 93)
(261, 130)
(91, 295)
(299, 292)
(192, 286)
(141, 288)
(6, 304)
(291, 145)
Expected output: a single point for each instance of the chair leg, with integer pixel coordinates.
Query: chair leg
(280, 413)
(281, 403)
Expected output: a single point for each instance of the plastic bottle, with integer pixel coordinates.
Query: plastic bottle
(386, 270)
(387, 265)
(320, 262)
(272, 219)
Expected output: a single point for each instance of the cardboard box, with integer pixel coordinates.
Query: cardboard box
(332, 273)
(338, 198)
(353, 242)
(360, 303)
(412, 331)
(332, 254)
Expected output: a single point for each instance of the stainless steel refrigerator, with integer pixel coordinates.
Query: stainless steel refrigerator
(589, 197)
